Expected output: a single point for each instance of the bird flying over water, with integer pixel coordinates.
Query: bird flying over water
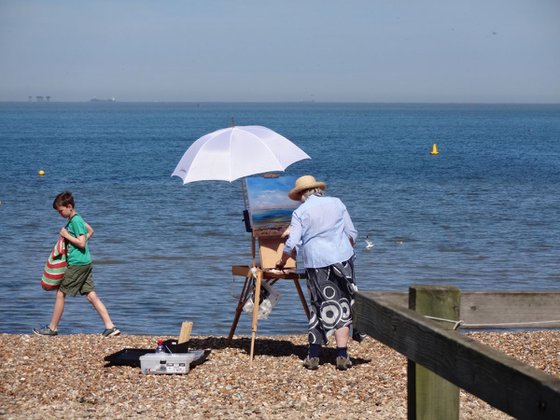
(369, 243)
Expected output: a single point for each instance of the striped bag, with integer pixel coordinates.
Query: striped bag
(55, 266)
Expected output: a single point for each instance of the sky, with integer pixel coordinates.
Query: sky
(277, 51)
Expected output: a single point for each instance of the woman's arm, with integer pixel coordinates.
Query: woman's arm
(349, 227)
(294, 237)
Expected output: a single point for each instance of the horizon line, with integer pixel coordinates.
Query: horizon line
(310, 102)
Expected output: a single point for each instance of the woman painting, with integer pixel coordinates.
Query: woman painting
(322, 229)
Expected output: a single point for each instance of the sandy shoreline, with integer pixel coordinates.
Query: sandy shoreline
(67, 377)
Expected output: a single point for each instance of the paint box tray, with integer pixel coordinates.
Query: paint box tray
(169, 363)
(131, 356)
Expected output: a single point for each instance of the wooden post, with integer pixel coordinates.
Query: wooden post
(429, 395)
(185, 334)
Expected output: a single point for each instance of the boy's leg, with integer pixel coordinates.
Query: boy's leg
(58, 310)
(101, 309)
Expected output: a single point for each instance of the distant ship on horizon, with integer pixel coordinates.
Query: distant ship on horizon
(103, 100)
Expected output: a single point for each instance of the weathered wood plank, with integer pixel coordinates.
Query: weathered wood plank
(499, 309)
(507, 384)
(513, 309)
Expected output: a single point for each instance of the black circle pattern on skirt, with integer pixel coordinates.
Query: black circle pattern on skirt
(331, 290)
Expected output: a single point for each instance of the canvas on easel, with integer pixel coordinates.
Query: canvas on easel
(269, 211)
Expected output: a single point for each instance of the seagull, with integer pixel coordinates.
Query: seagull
(369, 243)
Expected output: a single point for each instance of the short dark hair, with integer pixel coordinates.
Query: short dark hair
(63, 199)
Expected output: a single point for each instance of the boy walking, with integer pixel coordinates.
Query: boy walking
(78, 277)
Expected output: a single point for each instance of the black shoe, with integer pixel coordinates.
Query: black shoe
(111, 332)
(45, 331)
(358, 336)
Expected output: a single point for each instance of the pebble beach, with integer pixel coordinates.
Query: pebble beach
(67, 377)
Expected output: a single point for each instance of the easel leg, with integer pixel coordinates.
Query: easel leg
(302, 298)
(255, 314)
(240, 304)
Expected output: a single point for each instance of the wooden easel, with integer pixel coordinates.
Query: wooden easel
(270, 251)
(266, 220)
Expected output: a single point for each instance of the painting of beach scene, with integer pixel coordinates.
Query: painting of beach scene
(268, 204)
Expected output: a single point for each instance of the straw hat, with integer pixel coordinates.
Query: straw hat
(304, 183)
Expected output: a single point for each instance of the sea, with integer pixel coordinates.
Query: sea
(483, 214)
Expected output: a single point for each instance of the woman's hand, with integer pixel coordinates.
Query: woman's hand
(284, 259)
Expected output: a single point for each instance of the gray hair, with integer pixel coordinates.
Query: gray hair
(312, 191)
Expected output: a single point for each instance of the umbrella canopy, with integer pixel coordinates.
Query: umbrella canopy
(236, 152)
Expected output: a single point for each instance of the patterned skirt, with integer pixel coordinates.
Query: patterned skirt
(331, 291)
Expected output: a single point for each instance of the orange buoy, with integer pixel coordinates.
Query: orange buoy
(434, 150)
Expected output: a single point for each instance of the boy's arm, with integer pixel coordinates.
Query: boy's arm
(79, 242)
(89, 233)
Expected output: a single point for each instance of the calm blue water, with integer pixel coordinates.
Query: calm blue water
(482, 215)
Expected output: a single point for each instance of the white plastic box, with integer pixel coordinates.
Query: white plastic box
(166, 363)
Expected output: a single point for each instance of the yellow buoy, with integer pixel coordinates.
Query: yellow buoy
(41, 173)
(434, 150)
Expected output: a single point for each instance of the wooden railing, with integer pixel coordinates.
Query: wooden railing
(442, 360)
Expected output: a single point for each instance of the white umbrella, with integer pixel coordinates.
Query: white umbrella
(236, 152)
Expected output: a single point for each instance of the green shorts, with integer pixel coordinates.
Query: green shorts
(77, 279)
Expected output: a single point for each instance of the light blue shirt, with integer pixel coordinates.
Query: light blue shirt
(320, 227)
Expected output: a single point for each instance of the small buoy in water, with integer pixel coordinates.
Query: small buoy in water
(41, 172)
(434, 150)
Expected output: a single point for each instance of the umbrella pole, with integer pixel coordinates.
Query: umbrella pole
(255, 313)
